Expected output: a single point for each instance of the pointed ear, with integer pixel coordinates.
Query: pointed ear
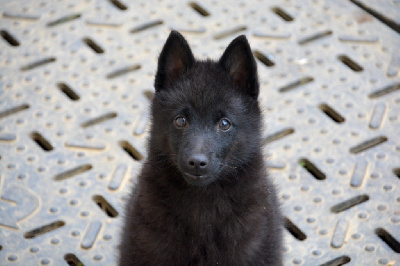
(175, 58)
(239, 62)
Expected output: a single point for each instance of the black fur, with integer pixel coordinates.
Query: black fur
(203, 196)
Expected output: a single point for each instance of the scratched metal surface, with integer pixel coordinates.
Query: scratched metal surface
(76, 80)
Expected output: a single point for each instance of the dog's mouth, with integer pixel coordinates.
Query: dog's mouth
(197, 180)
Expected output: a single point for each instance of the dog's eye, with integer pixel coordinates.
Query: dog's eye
(224, 124)
(180, 121)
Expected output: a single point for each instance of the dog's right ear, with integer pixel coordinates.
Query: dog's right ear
(175, 58)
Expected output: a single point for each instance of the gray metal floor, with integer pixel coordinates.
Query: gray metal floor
(75, 82)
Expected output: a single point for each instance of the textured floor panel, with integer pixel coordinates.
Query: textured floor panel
(76, 82)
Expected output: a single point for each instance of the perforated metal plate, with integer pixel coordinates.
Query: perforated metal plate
(76, 82)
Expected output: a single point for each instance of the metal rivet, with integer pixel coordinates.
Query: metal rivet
(45, 261)
(34, 249)
(370, 248)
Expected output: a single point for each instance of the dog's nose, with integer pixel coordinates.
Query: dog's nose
(197, 162)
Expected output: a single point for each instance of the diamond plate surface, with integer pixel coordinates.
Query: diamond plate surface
(75, 86)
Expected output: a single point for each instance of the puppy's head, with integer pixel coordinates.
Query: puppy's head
(205, 113)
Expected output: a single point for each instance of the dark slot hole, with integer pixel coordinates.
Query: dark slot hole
(149, 95)
(282, 13)
(118, 4)
(294, 230)
(85, 146)
(73, 260)
(312, 169)
(105, 206)
(388, 239)
(337, 261)
(95, 47)
(303, 81)
(350, 39)
(329, 111)
(229, 32)
(1, 247)
(368, 144)
(103, 24)
(130, 150)
(123, 71)
(384, 91)
(199, 9)
(146, 26)
(99, 119)
(278, 135)
(41, 141)
(73, 172)
(38, 63)
(349, 203)
(68, 91)
(315, 37)
(277, 36)
(396, 171)
(198, 30)
(8, 137)
(263, 59)
(63, 20)
(20, 16)
(14, 110)
(350, 63)
(9, 38)
(44, 229)
(383, 18)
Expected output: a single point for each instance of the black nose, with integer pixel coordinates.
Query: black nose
(197, 162)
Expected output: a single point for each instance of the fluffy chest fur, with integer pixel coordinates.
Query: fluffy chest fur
(225, 225)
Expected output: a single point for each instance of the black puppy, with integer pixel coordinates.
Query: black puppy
(203, 197)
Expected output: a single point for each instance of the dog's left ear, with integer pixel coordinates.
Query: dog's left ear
(238, 61)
